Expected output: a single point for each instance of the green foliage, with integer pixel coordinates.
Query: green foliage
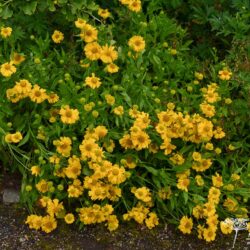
(189, 46)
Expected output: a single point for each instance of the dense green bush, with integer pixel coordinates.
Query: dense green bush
(111, 115)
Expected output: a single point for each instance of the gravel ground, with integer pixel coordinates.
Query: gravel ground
(14, 234)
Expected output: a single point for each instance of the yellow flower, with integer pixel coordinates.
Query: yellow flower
(7, 69)
(140, 140)
(165, 193)
(68, 115)
(219, 133)
(112, 68)
(177, 159)
(207, 109)
(214, 195)
(113, 223)
(209, 234)
(225, 74)
(209, 146)
(89, 33)
(8, 138)
(80, 23)
(6, 32)
(23, 87)
(126, 141)
(142, 194)
(118, 110)
(198, 75)
(226, 226)
(198, 212)
(186, 225)
(134, 5)
(116, 175)
(235, 177)
(35, 170)
(183, 184)
(152, 220)
(209, 209)
(34, 221)
(92, 51)
(93, 81)
(100, 132)
(42, 186)
(203, 165)
(13, 138)
(137, 43)
(108, 54)
(57, 36)
(73, 169)
(211, 96)
(48, 224)
(217, 180)
(63, 146)
(69, 218)
(104, 13)
(88, 148)
(53, 98)
(230, 204)
(110, 99)
(38, 94)
(125, 2)
(17, 58)
(54, 207)
(196, 156)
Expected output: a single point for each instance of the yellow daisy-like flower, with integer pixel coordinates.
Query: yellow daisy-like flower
(142, 194)
(93, 81)
(80, 23)
(42, 186)
(209, 234)
(225, 74)
(135, 5)
(34, 221)
(38, 94)
(113, 223)
(48, 224)
(183, 183)
(137, 43)
(140, 140)
(69, 218)
(57, 36)
(152, 221)
(17, 58)
(186, 225)
(226, 226)
(6, 32)
(68, 115)
(112, 68)
(104, 13)
(7, 69)
(92, 51)
(35, 170)
(108, 54)
(63, 146)
(89, 33)
(118, 110)
(53, 98)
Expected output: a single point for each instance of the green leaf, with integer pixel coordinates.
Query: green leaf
(7, 13)
(185, 197)
(151, 170)
(29, 8)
